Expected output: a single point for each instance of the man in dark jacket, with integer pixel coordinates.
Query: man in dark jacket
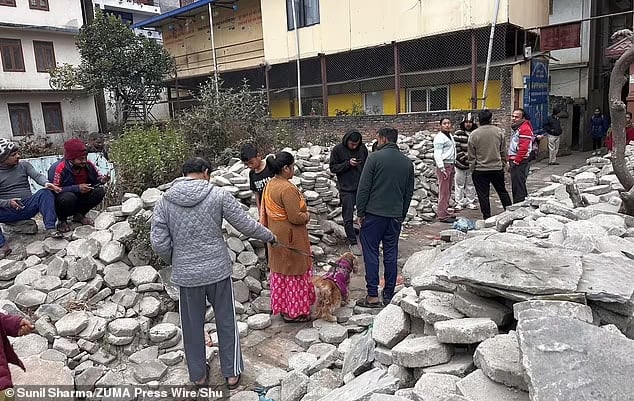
(552, 127)
(385, 192)
(346, 160)
(81, 185)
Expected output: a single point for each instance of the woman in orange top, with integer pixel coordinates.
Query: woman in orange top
(283, 211)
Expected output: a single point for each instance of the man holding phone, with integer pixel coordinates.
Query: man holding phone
(81, 185)
(346, 160)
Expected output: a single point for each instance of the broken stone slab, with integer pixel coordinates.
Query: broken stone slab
(469, 330)
(124, 327)
(143, 275)
(499, 360)
(405, 376)
(131, 206)
(72, 323)
(505, 219)
(360, 357)
(333, 333)
(95, 328)
(472, 305)
(436, 306)
(582, 235)
(559, 308)
(30, 299)
(53, 311)
(10, 268)
(51, 373)
(477, 387)
(47, 283)
(556, 208)
(612, 223)
(435, 387)
(259, 321)
(307, 337)
(29, 345)
(148, 371)
(270, 376)
(105, 220)
(361, 388)
(461, 364)
(598, 280)
(301, 361)
(111, 252)
(390, 326)
(524, 267)
(54, 245)
(612, 243)
(417, 351)
(603, 362)
(145, 354)
(419, 264)
(84, 269)
(294, 386)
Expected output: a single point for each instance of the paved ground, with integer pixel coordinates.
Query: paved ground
(272, 346)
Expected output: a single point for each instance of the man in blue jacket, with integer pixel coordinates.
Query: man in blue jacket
(81, 183)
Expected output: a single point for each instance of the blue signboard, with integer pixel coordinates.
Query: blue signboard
(536, 94)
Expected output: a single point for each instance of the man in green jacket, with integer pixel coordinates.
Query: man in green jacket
(383, 197)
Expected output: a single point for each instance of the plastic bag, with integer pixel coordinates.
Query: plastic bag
(463, 224)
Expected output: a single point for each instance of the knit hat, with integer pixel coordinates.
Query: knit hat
(6, 148)
(74, 149)
(469, 117)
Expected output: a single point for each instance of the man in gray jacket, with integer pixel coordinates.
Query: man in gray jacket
(187, 233)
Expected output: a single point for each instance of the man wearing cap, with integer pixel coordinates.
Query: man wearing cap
(17, 203)
(80, 182)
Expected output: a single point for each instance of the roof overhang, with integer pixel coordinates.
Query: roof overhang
(170, 16)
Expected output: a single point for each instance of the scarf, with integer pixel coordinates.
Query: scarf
(269, 209)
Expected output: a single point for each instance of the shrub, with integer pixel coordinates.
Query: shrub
(146, 157)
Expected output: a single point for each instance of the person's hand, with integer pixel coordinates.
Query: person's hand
(85, 188)
(16, 204)
(105, 179)
(274, 241)
(360, 220)
(354, 162)
(53, 187)
(444, 173)
(26, 327)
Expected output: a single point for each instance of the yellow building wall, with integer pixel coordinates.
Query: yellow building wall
(460, 95)
(389, 101)
(280, 108)
(354, 24)
(344, 102)
(238, 38)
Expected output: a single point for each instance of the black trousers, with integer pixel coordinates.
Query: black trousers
(348, 200)
(519, 174)
(482, 181)
(596, 143)
(71, 203)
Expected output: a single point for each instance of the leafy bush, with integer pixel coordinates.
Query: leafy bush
(146, 157)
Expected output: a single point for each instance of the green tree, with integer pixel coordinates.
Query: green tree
(130, 68)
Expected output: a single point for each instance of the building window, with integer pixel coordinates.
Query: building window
(373, 103)
(306, 13)
(53, 123)
(10, 3)
(11, 50)
(428, 99)
(44, 56)
(38, 5)
(20, 116)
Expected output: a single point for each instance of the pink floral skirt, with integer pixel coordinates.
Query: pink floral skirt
(292, 295)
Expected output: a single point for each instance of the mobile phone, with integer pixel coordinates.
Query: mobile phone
(20, 204)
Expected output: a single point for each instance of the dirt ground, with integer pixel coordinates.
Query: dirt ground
(273, 346)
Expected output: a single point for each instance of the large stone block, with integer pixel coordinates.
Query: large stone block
(390, 326)
(499, 359)
(421, 351)
(469, 330)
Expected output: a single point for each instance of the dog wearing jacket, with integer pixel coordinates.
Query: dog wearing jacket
(331, 289)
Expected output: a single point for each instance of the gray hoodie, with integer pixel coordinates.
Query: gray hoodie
(187, 231)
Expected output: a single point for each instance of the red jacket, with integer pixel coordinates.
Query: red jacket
(9, 326)
(629, 136)
(521, 143)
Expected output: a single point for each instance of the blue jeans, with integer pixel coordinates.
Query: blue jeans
(376, 230)
(43, 201)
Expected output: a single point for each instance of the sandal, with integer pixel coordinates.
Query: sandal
(298, 319)
(53, 233)
(63, 227)
(83, 220)
(235, 384)
(206, 381)
(363, 303)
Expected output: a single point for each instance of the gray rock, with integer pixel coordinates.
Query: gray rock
(53, 355)
(10, 268)
(30, 298)
(53, 373)
(419, 264)
(550, 345)
(84, 269)
(333, 333)
(145, 354)
(54, 245)
(270, 377)
(162, 332)
(364, 319)
(125, 327)
(95, 329)
(172, 358)
(499, 359)
(469, 330)
(47, 283)
(87, 379)
(505, 219)
(598, 279)
(245, 396)
(307, 337)
(121, 230)
(524, 267)
(101, 236)
(294, 386)
(45, 328)
(387, 397)
(131, 206)
(361, 388)
(117, 275)
(262, 304)
(240, 291)
(57, 267)
(560, 308)
(360, 357)
(404, 375)
(461, 364)
(582, 235)
(143, 275)
(126, 297)
(235, 244)
(558, 209)
(36, 248)
(88, 248)
(150, 196)
(421, 351)
(436, 306)
(435, 387)
(148, 371)
(472, 305)
(105, 220)
(112, 251)
(259, 321)
(390, 326)
(613, 224)
(30, 344)
(149, 306)
(66, 347)
(248, 258)
(28, 276)
(72, 323)
(324, 379)
(53, 311)
(118, 340)
(478, 387)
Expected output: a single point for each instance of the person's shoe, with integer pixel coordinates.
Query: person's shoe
(80, 218)
(354, 248)
(28, 227)
(472, 206)
(53, 233)
(63, 227)
(450, 219)
(457, 207)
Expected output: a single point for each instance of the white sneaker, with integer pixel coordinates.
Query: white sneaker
(471, 206)
(356, 251)
(457, 207)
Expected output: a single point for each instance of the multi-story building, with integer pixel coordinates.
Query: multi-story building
(366, 56)
(35, 36)
(131, 12)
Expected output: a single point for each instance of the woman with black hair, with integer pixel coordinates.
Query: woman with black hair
(283, 211)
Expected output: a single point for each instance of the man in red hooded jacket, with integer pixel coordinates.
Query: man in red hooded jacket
(14, 326)
(81, 184)
(520, 146)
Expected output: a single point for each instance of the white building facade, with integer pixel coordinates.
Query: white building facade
(35, 36)
(131, 12)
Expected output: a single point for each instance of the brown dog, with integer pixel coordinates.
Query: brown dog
(331, 289)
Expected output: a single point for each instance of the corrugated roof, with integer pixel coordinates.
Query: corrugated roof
(159, 20)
